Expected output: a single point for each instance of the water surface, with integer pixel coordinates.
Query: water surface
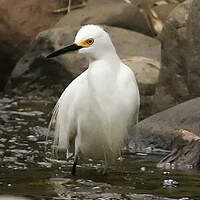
(28, 167)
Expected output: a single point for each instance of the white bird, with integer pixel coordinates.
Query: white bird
(98, 109)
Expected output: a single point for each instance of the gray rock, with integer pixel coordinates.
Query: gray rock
(173, 86)
(37, 75)
(158, 130)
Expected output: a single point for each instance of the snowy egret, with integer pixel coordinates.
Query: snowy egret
(97, 110)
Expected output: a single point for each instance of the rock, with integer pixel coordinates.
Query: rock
(36, 74)
(155, 14)
(157, 131)
(185, 152)
(115, 13)
(147, 74)
(20, 22)
(173, 87)
(122, 14)
(146, 71)
(164, 10)
(193, 51)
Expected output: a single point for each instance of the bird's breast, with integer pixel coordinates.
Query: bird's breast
(102, 80)
(108, 110)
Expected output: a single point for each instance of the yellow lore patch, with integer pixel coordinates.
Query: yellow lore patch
(85, 43)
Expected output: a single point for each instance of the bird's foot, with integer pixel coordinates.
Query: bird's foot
(69, 155)
(74, 165)
(103, 171)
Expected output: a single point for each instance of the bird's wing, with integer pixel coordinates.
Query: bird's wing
(53, 117)
(130, 77)
(63, 118)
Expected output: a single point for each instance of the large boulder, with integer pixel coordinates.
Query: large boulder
(147, 72)
(193, 51)
(34, 74)
(173, 84)
(157, 131)
(111, 13)
(20, 22)
(118, 13)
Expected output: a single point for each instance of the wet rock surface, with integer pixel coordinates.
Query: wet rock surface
(158, 130)
(185, 152)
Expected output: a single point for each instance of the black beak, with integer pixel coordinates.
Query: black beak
(69, 48)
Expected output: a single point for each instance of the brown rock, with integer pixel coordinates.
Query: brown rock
(111, 13)
(193, 52)
(147, 74)
(173, 86)
(116, 13)
(185, 152)
(146, 71)
(163, 11)
(155, 13)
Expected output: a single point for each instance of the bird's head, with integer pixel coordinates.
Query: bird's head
(91, 40)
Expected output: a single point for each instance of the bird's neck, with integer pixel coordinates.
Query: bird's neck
(108, 60)
(103, 74)
(107, 65)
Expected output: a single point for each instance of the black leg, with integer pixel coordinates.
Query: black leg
(74, 165)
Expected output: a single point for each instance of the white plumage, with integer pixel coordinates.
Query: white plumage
(97, 110)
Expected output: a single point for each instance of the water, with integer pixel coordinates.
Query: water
(28, 168)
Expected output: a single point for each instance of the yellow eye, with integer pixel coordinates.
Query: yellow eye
(90, 41)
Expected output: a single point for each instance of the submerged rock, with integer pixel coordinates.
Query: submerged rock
(169, 183)
(158, 130)
(185, 152)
